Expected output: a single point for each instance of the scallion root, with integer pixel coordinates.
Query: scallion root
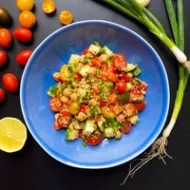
(158, 150)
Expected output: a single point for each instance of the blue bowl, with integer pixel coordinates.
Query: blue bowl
(56, 50)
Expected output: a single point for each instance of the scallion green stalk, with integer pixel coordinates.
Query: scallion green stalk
(137, 12)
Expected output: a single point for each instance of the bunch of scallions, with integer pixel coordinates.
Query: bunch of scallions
(135, 10)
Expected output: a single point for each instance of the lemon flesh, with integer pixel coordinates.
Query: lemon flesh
(13, 134)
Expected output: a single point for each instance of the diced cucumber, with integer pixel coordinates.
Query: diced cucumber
(130, 67)
(84, 71)
(74, 58)
(89, 128)
(109, 132)
(137, 71)
(52, 91)
(94, 49)
(133, 119)
(71, 135)
(107, 51)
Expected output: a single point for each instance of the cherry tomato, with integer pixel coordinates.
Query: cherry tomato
(83, 108)
(78, 77)
(5, 38)
(95, 139)
(48, 6)
(123, 76)
(63, 121)
(3, 58)
(121, 86)
(140, 106)
(56, 126)
(112, 98)
(23, 56)
(55, 104)
(66, 17)
(22, 34)
(119, 62)
(66, 113)
(126, 127)
(10, 82)
(102, 103)
(27, 19)
(25, 5)
(2, 95)
(130, 109)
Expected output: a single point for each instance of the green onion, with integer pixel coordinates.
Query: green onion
(159, 146)
(136, 11)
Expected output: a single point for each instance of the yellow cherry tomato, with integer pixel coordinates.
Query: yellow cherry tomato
(66, 17)
(74, 108)
(107, 113)
(25, 5)
(48, 6)
(27, 19)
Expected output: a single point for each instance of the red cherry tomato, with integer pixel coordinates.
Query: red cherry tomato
(2, 95)
(95, 139)
(63, 121)
(119, 62)
(3, 58)
(121, 86)
(78, 77)
(22, 34)
(140, 106)
(66, 113)
(102, 103)
(10, 82)
(55, 104)
(126, 127)
(5, 38)
(83, 108)
(123, 76)
(23, 57)
(56, 126)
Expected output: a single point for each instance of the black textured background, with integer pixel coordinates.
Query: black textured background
(33, 169)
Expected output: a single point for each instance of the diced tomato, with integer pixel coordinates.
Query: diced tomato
(94, 139)
(119, 62)
(123, 76)
(63, 121)
(69, 102)
(126, 127)
(112, 69)
(56, 126)
(104, 75)
(66, 113)
(102, 103)
(113, 77)
(85, 51)
(105, 67)
(112, 98)
(140, 106)
(130, 109)
(83, 108)
(55, 104)
(78, 77)
(116, 108)
(95, 62)
(121, 86)
(80, 134)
